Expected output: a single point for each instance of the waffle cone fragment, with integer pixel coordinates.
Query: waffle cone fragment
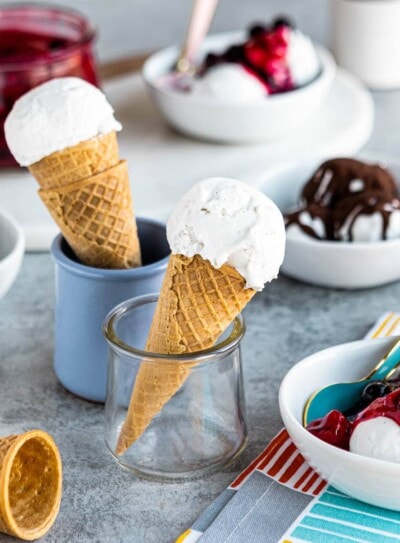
(30, 484)
(196, 304)
(76, 163)
(96, 217)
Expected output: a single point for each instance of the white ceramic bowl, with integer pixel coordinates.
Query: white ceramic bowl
(12, 246)
(277, 117)
(367, 479)
(347, 265)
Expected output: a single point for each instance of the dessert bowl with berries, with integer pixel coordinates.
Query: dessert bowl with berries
(260, 85)
(342, 221)
(358, 452)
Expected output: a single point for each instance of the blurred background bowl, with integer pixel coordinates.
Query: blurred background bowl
(210, 118)
(12, 247)
(334, 264)
(363, 478)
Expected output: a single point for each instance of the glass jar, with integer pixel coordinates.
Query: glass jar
(39, 43)
(202, 426)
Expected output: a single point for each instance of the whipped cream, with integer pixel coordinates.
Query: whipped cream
(227, 222)
(57, 114)
(378, 438)
(231, 83)
(302, 58)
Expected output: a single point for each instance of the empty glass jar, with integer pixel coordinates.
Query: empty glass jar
(202, 426)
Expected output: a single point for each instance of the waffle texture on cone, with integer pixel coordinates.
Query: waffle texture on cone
(30, 484)
(96, 217)
(77, 163)
(197, 303)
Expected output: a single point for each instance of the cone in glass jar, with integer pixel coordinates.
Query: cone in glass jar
(197, 303)
(87, 191)
(30, 484)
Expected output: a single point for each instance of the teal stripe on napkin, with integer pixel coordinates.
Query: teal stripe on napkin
(336, 518)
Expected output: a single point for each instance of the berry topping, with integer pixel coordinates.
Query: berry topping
(334, 429)
(387, 406)
(264, 55)
(372, 391)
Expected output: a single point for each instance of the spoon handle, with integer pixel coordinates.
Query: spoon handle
(386, 367)
(200, 20)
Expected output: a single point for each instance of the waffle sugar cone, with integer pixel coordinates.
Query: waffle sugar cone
(96, 217)
(196, 304)
(76, 163)
(30, 484)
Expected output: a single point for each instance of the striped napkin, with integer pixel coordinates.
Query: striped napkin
(279, 498)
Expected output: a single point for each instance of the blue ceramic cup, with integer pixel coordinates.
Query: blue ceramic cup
(85, 295)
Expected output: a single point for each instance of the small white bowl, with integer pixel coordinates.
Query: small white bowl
(12, 247)
(334, 264)
(277, 117)
(367, 479)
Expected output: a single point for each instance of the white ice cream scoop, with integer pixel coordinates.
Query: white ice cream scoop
(226, 221)
(378, 438)
(230, 83)
(55, 115)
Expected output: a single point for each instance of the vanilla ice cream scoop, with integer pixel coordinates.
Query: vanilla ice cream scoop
(302, 58)
(55, 115)
(228, 222)
(231, 83)
(378, 438)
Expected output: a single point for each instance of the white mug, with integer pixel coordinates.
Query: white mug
(366, 40)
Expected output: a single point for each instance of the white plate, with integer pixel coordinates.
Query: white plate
(367, 479)
(348, 265)
(163, 164)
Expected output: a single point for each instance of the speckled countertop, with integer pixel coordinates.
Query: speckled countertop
(288, 320)
(102, 502)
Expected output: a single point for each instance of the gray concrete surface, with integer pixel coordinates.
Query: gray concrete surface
(102, 503)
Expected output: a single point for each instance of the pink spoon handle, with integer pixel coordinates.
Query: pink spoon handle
(200, 20)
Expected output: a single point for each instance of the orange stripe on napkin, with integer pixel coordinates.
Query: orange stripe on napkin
(298, 461)
(281, 461)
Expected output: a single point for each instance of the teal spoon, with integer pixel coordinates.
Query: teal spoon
(343, 396)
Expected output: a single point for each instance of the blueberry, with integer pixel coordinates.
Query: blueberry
(282, 21)
(234, 54)
(211, 60)
(374, 390)
(257, 30)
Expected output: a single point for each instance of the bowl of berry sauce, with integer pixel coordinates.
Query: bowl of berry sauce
(371, 480)
(250, 108)
(38, 43)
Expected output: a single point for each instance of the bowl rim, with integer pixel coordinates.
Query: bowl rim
(327, 72)
(105, 274)
(286, 413)
(19, 245)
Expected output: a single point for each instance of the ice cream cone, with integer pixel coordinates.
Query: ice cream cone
(64, 131)
(196, 304)
(96, 217)
(30, 484)
(77, 163)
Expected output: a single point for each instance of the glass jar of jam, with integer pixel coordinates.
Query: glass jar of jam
(38, 43)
